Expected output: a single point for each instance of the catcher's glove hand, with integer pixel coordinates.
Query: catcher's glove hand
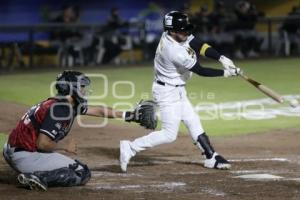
(143, 114)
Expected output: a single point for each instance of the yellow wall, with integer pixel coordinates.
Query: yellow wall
(197, 4)
(270, 7)
(275, 7)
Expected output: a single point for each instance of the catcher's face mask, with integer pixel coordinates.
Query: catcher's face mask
(85, 91)
(73, 83)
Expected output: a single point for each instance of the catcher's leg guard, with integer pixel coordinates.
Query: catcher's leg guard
(66, 176)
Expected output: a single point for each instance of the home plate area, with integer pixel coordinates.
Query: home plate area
(286, 174)
(185, 179)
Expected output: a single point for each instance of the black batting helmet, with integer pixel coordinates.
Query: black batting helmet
(177, 21)
(69, 83)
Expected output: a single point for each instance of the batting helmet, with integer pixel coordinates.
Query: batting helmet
(70, 83)
(177, 21)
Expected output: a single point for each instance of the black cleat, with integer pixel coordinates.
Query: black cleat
(217, 162)
(31, 181)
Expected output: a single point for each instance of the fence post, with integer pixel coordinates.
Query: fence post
(270, 36)
(143, 35)
(31, 33)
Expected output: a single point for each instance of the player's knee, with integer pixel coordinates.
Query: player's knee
(170, 136)
(82, 171)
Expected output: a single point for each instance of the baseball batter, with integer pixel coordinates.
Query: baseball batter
(31, 146)
(177, 57)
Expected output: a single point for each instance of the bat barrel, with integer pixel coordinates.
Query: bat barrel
(267, 91)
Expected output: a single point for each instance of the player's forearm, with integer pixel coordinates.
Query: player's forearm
(53, 146)
(48, 148)
(103, 111)
(60, 146)
(67, 145)
(45, 144)
(209, 72)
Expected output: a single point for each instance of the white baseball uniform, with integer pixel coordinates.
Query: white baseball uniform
(171, 65)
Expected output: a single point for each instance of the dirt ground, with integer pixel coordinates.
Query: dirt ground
(271, 161)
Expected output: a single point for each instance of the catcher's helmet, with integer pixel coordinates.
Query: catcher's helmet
(70, 83)
(177, 21)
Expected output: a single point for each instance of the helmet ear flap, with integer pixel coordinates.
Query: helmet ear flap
(62, 85)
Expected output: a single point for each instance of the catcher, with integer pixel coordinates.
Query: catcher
(31, 146)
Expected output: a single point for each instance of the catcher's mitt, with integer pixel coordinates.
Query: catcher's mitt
(144, 114)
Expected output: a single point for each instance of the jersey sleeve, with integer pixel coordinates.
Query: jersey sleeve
(57, 117)
(204, 49)
(184, 58)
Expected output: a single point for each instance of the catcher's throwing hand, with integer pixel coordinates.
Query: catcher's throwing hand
(71, 146)
(143, 114)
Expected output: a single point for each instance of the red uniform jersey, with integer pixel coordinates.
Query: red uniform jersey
(53, 117)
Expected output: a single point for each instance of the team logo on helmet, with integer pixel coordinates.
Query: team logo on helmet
(168, 20)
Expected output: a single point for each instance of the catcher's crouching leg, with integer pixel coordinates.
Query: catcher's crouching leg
(74, 175)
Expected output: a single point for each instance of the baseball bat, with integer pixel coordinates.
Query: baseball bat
(267, 91)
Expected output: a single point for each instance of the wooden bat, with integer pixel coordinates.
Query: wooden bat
(271, 93)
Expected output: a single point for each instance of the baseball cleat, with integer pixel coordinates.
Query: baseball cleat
(217, 162)
(32, 182)
(125, 154)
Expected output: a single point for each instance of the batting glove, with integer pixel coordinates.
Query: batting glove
(232, 72)
(226, 62)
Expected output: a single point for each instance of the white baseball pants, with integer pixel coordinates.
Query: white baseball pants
(174, 107)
